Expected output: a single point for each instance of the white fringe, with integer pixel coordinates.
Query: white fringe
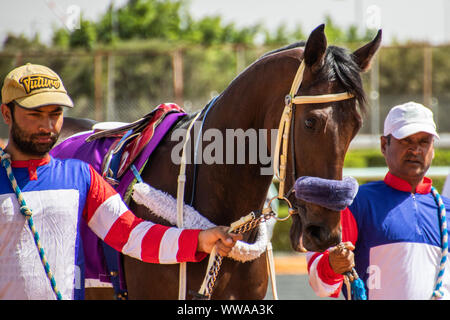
(165, 206)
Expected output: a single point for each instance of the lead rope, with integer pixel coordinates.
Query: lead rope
(355, 286)
(438, 293)
(24, 210)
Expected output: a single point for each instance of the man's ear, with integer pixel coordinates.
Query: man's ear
(6, 113)
(383, 143)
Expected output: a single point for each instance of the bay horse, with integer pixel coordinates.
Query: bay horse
(321, 135)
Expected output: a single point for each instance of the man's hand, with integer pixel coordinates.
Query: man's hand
(219, 237)
(342, 258)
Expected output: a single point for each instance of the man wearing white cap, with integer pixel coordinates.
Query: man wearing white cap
(393, 232)
(42, 201)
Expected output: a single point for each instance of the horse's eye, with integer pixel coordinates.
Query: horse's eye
(310, 123)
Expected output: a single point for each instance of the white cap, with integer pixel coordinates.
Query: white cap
(409, 118)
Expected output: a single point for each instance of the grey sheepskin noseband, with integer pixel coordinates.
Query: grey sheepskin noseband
(335, 195)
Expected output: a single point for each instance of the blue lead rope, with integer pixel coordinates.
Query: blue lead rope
(438, 293)
(24, 210)
(357, 289)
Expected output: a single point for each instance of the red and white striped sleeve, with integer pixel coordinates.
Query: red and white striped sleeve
(323, 280)
(110, 219)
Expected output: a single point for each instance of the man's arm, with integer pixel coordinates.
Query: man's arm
(325, 269)
(110, 219)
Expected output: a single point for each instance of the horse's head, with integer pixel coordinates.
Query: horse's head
(321, 132)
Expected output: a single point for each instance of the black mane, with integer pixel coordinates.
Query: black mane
(343, 68)
(340, 66)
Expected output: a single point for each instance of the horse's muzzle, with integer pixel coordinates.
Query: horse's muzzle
(322, 201)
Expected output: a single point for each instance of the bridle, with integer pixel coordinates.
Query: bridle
(285, 134)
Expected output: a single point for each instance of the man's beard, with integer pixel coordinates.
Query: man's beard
(24, 141)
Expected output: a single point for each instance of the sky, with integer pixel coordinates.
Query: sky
(403, 20)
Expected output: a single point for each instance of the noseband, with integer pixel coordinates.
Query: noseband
(284, 132)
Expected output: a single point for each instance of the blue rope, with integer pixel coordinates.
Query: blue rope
(136, 173)
(358, 290)
(438, 293)
(25, 211)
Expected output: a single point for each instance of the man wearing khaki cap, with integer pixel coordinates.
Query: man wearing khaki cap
(394, 232)
(42, 201)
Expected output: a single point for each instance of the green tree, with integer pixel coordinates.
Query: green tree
(334, 33)
(282, 36)
(61, 38)
(85, 36)
(146, 19)
(279, 37)
(21, 42)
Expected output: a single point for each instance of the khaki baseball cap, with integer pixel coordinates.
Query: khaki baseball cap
(34, 86)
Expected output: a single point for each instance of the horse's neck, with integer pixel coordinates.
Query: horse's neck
(245, 185)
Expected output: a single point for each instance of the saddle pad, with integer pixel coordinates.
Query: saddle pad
(135, 147)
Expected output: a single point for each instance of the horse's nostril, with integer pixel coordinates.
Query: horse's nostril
(319, 237)
(314, 231)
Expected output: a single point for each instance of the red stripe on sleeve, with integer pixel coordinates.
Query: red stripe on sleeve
(187, 247)
(326, 273)
(151, 243)
(120, 231)
(99, 191)
(338, 291)
(311, 260)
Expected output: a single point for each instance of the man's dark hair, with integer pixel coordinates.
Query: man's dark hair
(11, 107)
(388, 139)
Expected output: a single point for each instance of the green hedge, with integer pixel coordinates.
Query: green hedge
(374, 158)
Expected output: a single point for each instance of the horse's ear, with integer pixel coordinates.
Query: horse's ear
(363, 56)
(315, 48)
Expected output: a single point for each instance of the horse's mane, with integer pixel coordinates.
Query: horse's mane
(341, 67)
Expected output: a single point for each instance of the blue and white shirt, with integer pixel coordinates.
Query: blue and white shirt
(397, 241)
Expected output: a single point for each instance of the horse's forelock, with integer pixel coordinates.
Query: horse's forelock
(340, 66)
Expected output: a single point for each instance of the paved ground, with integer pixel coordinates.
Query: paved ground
(292, 279)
